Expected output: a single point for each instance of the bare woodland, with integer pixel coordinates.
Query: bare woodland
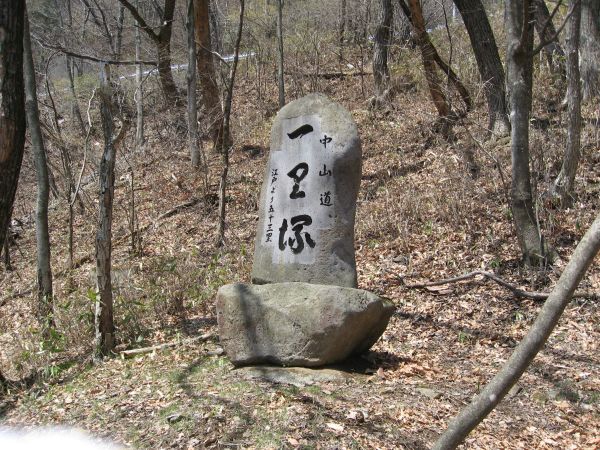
(133, 138)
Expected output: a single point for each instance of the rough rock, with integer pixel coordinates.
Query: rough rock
(298, 324)
(308, 199)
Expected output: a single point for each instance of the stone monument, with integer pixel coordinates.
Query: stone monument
(308, 200)
(303, 307)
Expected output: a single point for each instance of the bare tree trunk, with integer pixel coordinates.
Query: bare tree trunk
(134, 228)
(565, 182)
(70, 234)
(12, 106)
(342, 28)
(546, 33)
(529, 347)
(104, 324)
(44, 270)
(431, 58)
(519, 84)
(163, 46)
(75, 110)
(280, 81)
(119, 39)
(382, 41)
(488, 62)
(165, 74)
(192, 113)
(215, 27)
(437, 95)
(162, 42)
(3, 383)
(590, 48)
(226, 139)
(139, 93)
(74, 102)
(209, 91)
(5, 250)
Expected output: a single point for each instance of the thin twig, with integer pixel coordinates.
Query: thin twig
(142, 351)
(67, 52)
(85, 148)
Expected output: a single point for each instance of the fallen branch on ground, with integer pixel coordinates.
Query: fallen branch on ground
(538, 296)
(330, 75)
(460, 427)
(142, 351)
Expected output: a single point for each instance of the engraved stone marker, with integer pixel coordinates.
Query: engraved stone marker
(308, 312)
(308, 199)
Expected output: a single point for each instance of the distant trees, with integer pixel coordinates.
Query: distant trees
(162, 42)
(488, 62)
(97, 13)
(207, 81)
(225, 142)
(12, 106)
(192, 110)
(139, 92)
(381, 45)
(431, 59)
(547, 34)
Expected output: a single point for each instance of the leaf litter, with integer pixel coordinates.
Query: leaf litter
(419, 216)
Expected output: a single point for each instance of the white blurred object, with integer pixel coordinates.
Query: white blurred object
(50, 439)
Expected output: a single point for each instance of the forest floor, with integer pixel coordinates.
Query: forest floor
(425, 213)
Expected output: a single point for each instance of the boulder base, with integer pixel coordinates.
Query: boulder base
(298, 324)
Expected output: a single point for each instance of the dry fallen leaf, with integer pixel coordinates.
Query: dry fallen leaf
(335, 426)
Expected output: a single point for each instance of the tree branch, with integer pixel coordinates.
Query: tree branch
(544, 42)
(550, 18)
(538, 296)
(90, 57)
(140, 20)
(462, 90)
(153, 349)
(92, 12)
